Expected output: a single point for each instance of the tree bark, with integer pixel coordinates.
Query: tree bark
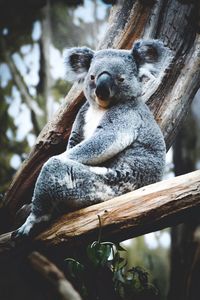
(169, 99)
(145, 210)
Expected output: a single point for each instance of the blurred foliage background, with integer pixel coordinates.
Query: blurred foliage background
(34, 34)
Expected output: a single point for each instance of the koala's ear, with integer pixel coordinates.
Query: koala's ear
(77, 61)
(148, 55)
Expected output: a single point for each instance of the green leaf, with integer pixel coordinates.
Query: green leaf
(118, 262)
(105, 256)
(98, 253)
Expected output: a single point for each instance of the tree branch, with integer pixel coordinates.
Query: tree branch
(145, 210)
(54, 276)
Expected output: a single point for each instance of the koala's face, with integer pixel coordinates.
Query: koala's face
(112, 75)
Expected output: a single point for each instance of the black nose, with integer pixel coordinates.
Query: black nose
(104, 86)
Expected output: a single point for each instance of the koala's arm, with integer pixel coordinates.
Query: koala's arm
(76, 135)
(102, 146)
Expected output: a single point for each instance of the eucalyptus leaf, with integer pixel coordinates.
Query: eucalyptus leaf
(105, 259)
(99, 253)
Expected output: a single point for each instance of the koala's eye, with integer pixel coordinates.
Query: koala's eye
(120, 79)
(92, 77)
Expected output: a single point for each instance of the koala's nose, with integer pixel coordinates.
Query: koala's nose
(104, 86)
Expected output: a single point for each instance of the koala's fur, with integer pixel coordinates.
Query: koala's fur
(115, 145)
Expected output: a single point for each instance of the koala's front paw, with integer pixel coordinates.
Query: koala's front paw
(19, 235)
(30, 228)
(23, 233)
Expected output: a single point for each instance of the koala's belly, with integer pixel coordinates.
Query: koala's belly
(93, 117)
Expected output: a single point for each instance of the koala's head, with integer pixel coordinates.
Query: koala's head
(113, 75)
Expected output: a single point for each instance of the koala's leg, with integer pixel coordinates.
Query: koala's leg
(44, 200)
(64, 185)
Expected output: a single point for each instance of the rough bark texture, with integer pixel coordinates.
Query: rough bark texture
(147, 209)
(171, 21)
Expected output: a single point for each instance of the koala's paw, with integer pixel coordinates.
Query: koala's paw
(21, 234)
(25, 231)
(30, 228)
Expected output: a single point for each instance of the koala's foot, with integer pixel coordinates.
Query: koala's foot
(31, 227)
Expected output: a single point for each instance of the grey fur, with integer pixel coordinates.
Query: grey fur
(121, 151)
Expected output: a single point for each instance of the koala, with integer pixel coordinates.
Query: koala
(115, 144)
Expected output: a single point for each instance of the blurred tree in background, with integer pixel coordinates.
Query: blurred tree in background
(185, 237)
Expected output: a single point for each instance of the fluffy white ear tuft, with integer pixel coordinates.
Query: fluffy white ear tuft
(77, 62)
(149, 56)
(152, 59)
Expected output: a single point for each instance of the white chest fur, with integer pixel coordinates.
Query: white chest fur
(92, 119)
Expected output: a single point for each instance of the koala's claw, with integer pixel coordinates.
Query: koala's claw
(25, 231)
(30, 228)
(22, 233)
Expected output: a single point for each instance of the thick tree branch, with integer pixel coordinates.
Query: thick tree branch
(54, 276)
(177, 98)
(145, 210)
